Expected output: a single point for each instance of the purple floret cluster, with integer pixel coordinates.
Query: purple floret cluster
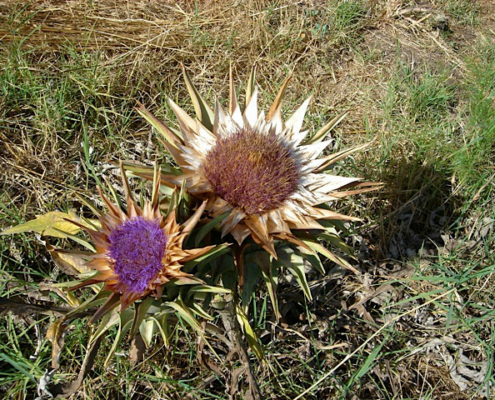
(252, 170)
(137, 247)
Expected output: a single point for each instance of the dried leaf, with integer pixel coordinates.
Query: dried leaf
(55, 335)
(53, 224)
(72, 387)
(71, 262)
(136, 353)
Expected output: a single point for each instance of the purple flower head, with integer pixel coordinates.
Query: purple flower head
(251, 170)
(137, 247)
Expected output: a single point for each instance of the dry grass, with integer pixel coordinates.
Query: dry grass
(70, 75)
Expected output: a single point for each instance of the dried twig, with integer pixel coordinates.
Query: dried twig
(231, 324)
(66, 389)
(23, 309)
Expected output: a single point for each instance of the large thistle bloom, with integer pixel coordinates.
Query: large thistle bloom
(139, 250)
(256, 167)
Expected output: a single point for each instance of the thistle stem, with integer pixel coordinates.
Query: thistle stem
(239, 263)
(233, 329)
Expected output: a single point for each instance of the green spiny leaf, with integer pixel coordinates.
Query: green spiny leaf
(209, 289)
(125, 323)
(162, 327)
(76, 239)
(269, 273)
(330, 255)
(115, 195)
(95, 301)
(337, 241)
(110, 319)
(208, 227)
(203, 111)
(250, 85)
(252, 273)
(139, 169)
(147, 329)
(198, 310)
(251, 336)
(185, 313)
(320, 135)
(171, 136)
(142, 310)
(312, 258)
(295, 264)
(208, 256)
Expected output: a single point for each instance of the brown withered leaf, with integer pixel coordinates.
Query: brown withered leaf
(136, 353)
(71, 262)
(55, 335)
(23, 309)
(66, 389)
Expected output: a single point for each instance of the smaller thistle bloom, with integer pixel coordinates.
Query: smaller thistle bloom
(139, 251)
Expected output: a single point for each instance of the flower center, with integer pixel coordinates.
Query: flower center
(252, 171)
(137, 246)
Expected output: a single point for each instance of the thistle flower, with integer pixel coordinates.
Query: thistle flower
(139, 251)
(135, 253)
(256, 167)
